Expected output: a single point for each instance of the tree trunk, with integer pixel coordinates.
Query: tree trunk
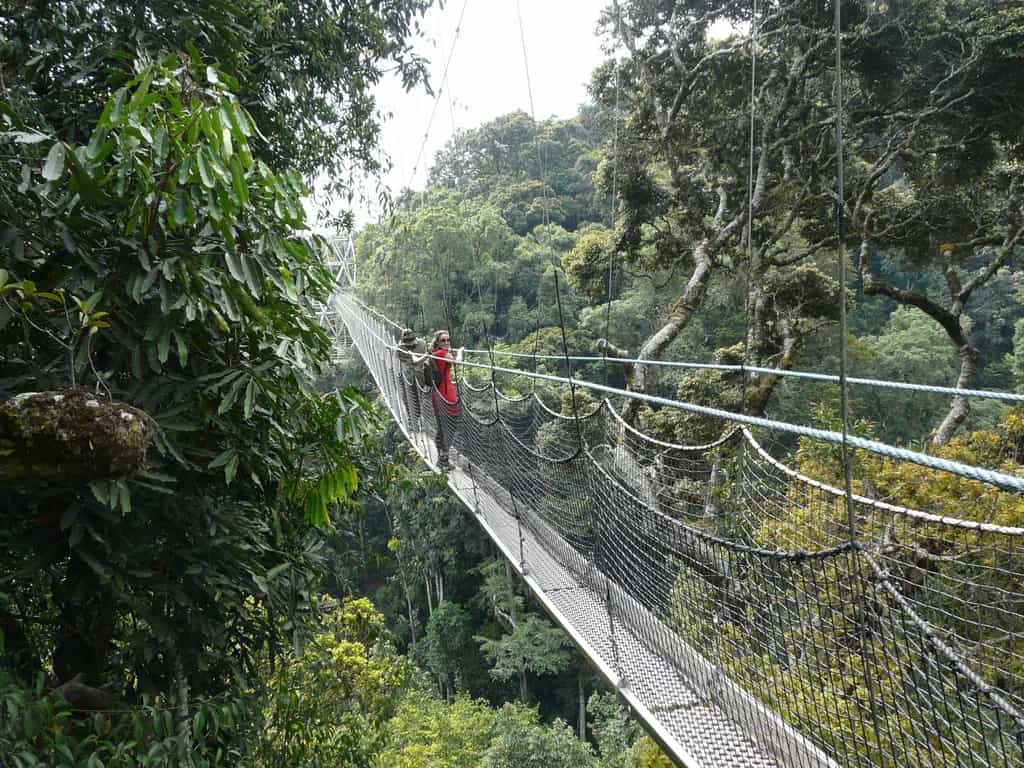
(412, 617)
(524, 694)
(182, 696)
(960, 406)
(581, 725)
(711, 500)
(684, 309)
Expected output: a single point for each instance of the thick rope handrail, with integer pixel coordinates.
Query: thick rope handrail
(886, 580)
(1012, 397)
(991, 477)
(731, 546)
(679, 447)
(884, 506)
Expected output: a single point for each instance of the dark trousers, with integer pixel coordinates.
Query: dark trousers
(444, 415)
(412, 399)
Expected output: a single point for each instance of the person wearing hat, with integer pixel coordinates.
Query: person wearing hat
(412, 354)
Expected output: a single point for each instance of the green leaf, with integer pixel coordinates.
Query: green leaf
(53, 168)
(225, 132)
(277, 570)
(162, 143)
(230, 398)
(250, 276)
(205, 173)
(198, 724)
(69, 517)
(234, 262)
(113, 107)
(92, 301)
(222, 458)
(231, 469)
(250, 397)
(180, 210)
(182, 344)
(238, 180)
(163, 346)
(24, 137)
(126, 498)
(101, 492)
(142, 90)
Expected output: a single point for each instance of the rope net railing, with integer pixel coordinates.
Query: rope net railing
(899, 643)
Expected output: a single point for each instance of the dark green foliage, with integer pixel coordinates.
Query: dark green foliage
(305, 72)
(155, 252)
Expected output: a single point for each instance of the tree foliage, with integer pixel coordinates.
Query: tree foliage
(155, 252)
(304, 72)
(333, 700)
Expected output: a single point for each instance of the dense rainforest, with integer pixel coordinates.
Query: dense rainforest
(194, 504)
(214, 548)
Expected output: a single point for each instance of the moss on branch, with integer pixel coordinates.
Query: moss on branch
(70, 436)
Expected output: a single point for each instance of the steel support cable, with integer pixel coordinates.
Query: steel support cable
(612, 214)
(533, 115)
(437, 97)
(844, 405)
(1011, 397)
(992, 477)
(750, 207)
(866, 638)
(983, 394)
(719, 607)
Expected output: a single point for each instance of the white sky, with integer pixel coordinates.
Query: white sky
(487, 76)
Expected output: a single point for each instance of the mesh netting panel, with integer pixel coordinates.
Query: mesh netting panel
(753, 614)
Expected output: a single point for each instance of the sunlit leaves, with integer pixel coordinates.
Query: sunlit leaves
(53, 168)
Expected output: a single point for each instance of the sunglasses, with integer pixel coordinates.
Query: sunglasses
(443, 338)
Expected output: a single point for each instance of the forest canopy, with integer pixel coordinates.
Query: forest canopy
(215, 548)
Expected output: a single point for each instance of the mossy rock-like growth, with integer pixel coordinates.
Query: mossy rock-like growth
(71, 437)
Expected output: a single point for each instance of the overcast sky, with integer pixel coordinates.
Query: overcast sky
(487, 76)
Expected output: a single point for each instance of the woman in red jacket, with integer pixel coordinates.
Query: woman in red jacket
(445, 399)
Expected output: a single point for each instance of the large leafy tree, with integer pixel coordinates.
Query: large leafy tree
(174, 282)
(154, 254)
(528, 644)
(682, 167)
(534, 173)
(938, 175)
(305, 71)
(334, 700)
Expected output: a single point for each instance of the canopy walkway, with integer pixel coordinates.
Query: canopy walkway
(750, 616)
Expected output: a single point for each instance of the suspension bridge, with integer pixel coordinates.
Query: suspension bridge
(748, 614)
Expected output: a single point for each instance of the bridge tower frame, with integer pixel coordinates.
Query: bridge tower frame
(341, 262)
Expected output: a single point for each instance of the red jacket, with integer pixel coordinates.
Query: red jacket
(443, 376)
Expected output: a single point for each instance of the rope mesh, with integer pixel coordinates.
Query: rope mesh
(722, 568)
